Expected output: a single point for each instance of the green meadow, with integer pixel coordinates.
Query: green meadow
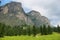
(54, 36)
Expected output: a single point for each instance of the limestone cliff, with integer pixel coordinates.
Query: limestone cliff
(13, 14)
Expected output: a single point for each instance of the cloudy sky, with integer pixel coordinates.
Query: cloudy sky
(48, 8)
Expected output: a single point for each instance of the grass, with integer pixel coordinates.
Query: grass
(54, 36)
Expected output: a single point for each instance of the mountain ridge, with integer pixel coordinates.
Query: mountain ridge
(13, 14)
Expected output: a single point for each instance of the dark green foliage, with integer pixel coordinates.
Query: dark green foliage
(45, 30)
(54, 29)
(7, 30)
(34, 31)
(29, 30)
(21, 30)
(16, 30)
(41, 30)
(49, 29)
(24, 32)
(2, 29)
(58, 28)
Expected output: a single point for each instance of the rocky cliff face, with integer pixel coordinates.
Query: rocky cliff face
(13, 14)
(37, 18)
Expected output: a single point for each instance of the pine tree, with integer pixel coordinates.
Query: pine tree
(24, 30)
(34, 31)
(10, 31)
(44, 30)
(28, 30)
(49, 29)
(1, 30)
(41, 30)
(54, 29)
(21, 29)
(58, 28)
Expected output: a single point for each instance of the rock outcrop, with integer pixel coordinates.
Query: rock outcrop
(37, 18)
(13, 14)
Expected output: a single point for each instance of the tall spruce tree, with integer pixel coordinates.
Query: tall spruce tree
(49, 29)
(58, 28)
(41, 30)
(28, 30)
(45, 30)
(34, 31)
(1, 30)
(10, 31)
(21, 28)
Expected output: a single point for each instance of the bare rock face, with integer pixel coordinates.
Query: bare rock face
(35, 17)
(45, 20)
(13, 14)
(38, 19)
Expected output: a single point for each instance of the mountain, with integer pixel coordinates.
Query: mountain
(13, 14)
(37, 18)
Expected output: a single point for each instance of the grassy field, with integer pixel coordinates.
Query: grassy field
(54, 36)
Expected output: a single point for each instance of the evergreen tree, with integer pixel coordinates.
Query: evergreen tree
(44, 30)
(1, 30)
(24, 30)
(21, 28)
(28, 30)
(54, 29)
(7, 30)
(49, 29)
(41, 30)
(58, 28)
(34, 31)
(10, 31)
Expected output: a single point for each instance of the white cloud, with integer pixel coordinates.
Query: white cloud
(58, 23)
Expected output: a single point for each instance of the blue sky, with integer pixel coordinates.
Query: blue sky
(3, 2)
(48, 8)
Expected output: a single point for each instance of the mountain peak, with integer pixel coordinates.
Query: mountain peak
(34, 13)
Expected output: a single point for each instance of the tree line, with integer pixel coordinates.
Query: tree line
(7, 30)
